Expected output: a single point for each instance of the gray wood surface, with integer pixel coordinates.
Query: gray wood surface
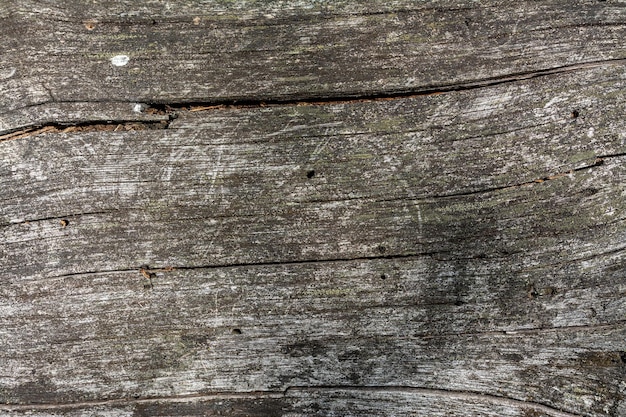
(304, 208)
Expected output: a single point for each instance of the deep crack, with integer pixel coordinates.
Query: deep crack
(172, 109)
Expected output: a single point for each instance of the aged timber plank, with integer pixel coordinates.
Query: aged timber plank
(468, 242)
(399, 177)
(127, 51)
(349, 402)
(448, 241)
(104, 336)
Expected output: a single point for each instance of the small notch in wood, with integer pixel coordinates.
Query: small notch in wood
(144, 270)
(575, 113)
(64, 223)
(310, 174)
(236, 331)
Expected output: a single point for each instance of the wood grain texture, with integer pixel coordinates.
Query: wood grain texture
(411, 258)
(222, 50)
(306, 208)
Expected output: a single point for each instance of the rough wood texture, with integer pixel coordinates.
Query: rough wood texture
(268, 50)
(447, 241)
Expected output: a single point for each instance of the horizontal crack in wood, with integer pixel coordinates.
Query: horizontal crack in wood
(291, 392)
(226, 395)
(171, 109)
(598, 162)
(384, 96)
(561, 264)
(56, 218)
(83, 127)
(170, 268)
(448, 394)
(526, 331)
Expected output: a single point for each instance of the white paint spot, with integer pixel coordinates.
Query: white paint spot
(138, 108)
(590, 132)
(120, 60)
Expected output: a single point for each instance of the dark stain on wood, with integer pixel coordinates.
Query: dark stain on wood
(238, 408)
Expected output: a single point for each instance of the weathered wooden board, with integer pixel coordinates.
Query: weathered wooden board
(283, 50)
(407, 208)
(411, 176)
(431, 249)
(372, 401)
(99, 336)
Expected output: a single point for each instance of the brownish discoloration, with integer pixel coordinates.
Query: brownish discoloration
(90, 24)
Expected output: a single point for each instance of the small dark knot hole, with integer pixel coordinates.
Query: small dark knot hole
(575, 114)
(310, 174)
(237, 331)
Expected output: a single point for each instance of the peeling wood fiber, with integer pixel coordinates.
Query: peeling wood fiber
(305, 208)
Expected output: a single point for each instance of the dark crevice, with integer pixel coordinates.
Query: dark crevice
(171, 109)
(378, 96)
(322, 13)
(94, 126)
(217, 395)
(469, 396)
(313, 261)
(253, 264)
(576, 260)
(598, 162)
(292, 391)
(524, 331)
(581, 25)
(58, 218)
